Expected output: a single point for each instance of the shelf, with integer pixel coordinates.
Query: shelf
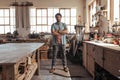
(31, 71)
(104, 10)
(116, 34)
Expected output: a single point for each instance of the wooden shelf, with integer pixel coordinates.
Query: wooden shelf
(31, 71)
(116, 34)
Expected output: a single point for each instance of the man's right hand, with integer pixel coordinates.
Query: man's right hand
(58, 38)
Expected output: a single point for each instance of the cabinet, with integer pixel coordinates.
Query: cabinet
(91, 65)
(112, 62)
(91, 50)
(88, 58)
(108, 59)
(84, 57)
(99, 55)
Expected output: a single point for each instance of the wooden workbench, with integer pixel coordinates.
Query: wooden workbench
(19, 61)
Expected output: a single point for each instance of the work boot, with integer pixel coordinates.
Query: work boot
(66, 69)
(52, 70)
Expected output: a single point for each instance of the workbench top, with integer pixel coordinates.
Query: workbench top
(105, 45)
(13, 52)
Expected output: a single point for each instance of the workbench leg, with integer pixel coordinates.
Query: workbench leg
(8, 72)
(38, 62)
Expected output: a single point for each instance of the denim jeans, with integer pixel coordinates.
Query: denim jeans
(56, 49)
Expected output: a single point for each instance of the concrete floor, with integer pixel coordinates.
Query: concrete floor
(76, 72)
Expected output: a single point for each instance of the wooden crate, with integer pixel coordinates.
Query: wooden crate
(44, 55)
(44, 52)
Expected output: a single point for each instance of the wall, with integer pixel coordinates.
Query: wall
(48, 3)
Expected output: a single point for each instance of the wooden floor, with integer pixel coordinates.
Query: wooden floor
(76, 72)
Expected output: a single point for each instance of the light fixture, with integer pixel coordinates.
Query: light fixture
(26, 3)
(15, 3)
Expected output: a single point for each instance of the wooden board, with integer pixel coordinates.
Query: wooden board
(13, 52)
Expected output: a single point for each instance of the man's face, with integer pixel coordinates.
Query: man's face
(58, 18)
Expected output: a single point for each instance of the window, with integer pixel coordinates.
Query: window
(73, 20)
(41, 16)
(92, 12)
(65, 15)
(4, 16)
(51, 15)
(69, 17)
(7, 20)
(41, 19)
(116, 10)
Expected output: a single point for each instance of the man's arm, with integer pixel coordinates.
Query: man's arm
(65, 31)
(53, 31)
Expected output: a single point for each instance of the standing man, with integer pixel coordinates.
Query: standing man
(59, 31)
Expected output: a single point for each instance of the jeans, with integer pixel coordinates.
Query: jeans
(56, 49)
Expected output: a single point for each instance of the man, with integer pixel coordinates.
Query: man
(59, 31)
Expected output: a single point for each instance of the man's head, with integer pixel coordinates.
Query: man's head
(58, 17)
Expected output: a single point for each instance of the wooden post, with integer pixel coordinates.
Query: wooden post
(8, 72)
(38, 62)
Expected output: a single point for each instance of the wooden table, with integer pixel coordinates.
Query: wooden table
(19, 61)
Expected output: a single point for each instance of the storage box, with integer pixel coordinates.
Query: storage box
(43, 55)
(43, 52)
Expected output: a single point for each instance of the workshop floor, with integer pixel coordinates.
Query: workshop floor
(76, 72)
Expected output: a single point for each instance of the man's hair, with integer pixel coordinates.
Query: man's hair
(58, 14)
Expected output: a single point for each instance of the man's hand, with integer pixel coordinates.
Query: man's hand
(63, 32)
(56, 33)
(58, 38)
